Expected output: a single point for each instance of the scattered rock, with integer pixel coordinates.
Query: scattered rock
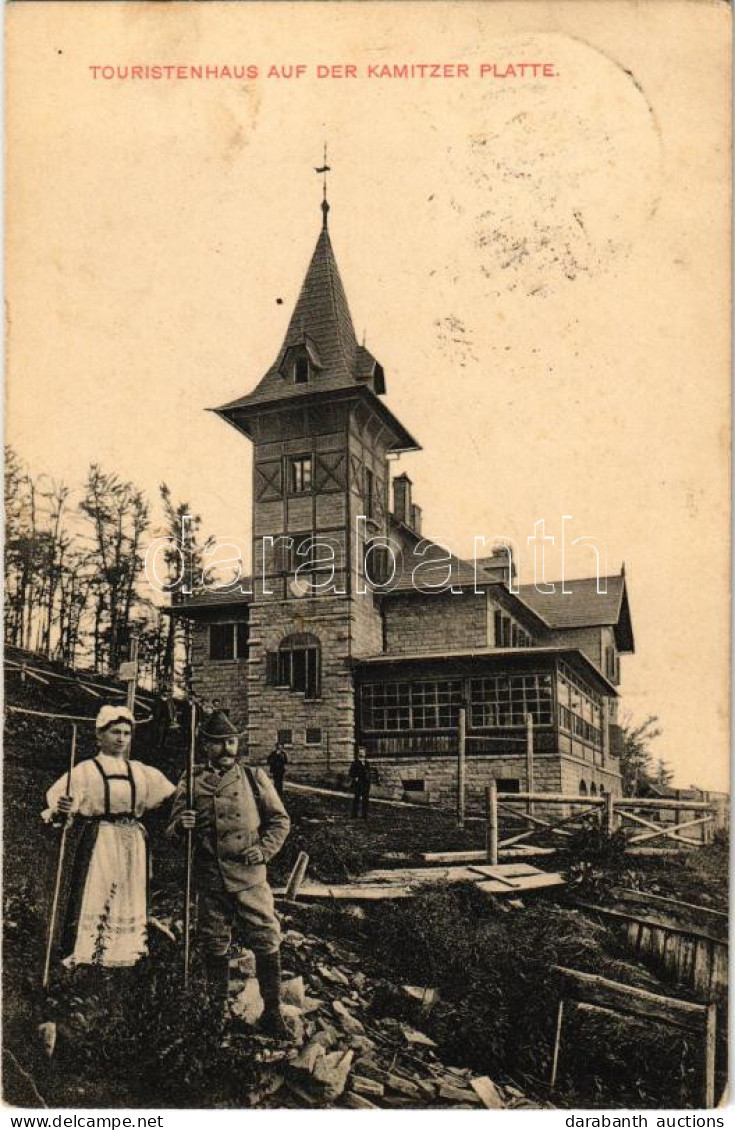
(372, 1070)
(47, 1035)
(488, 1092)
(326, 1036)
(248, 1004)
(364, 1086)
(347, 1021)
(426, 997)
(294, 1022)
(361, 1044)
(414, 1037)
(402, 1086)
(334, 976)
(331, 1072)
(294, 938)
(458, 1095)
(357, 1102)
(306, 1060)
(292, 992)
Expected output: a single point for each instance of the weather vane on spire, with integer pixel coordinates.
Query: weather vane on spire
(323, 170)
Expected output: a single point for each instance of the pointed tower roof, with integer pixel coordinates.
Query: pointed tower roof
(321, 332)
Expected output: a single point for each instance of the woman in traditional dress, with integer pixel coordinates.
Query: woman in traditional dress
(105, 914)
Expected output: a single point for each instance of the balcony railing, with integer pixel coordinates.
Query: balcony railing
(491, 743)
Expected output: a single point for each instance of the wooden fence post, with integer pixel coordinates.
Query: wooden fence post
(609, 814)
(529, 761)
(491, 816)
(710, 1047)
(296, 877)
(461, 742)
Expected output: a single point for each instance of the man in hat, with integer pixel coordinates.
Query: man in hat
(239, 824)
(363, 775)
(277, 762)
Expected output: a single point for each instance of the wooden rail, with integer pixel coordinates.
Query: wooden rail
(590, 993)
(609, 812)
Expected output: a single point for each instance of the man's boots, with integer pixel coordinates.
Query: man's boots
(268, 972)
(218, 983)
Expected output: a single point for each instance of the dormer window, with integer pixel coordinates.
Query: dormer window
(301, 371)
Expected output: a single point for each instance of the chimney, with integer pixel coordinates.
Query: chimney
(500, 566)
(402, 499)
(415, 518)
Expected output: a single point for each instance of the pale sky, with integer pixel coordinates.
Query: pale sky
(541, 266)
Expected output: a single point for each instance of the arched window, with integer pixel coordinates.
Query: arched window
(583, 788)
(297, 664)
(593, 789)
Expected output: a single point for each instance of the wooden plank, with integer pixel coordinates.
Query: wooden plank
(649, 802)
(644, 920)
(506, 870)
(718, 986)
(449, 857)
(670, 832)
(491, 818)
(555, 828)
(710, 1047)
(522, 886)
(552, 798)
(557, 1044)
(421, 874)
(593, 989)
(702, 966)
(297, 876)
(658, 936)
(630, 895)
(353, 892)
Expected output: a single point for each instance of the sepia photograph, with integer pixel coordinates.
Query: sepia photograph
(367, 557)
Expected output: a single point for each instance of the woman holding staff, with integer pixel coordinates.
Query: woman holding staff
(104, 911)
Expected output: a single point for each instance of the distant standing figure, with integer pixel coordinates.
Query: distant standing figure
(277, 762)
(164, 714)
(362, 775)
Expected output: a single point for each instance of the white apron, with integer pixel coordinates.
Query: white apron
(112, 921)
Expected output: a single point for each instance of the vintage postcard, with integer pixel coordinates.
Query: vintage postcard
(367, 531)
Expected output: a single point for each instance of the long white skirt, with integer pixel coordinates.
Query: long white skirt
(112, 920)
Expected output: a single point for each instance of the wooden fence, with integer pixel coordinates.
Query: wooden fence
(610, 813)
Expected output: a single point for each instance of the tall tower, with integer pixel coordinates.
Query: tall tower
(321, 437)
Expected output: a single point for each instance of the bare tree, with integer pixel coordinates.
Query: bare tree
(118, 515)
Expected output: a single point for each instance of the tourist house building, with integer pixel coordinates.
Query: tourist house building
(357, 648)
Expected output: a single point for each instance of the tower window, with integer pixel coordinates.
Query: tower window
(300, 474)
(298, 664)
(301, 371)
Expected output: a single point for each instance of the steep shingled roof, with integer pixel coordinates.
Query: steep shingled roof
(321, 315)
(584, 606)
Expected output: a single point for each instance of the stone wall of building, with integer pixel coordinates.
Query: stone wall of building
(588, 640)
(437, 777)
(225, 679)
(435, 622)
(271, 708)
(574, 771)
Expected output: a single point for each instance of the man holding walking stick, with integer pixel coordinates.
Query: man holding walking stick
(239, 823)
